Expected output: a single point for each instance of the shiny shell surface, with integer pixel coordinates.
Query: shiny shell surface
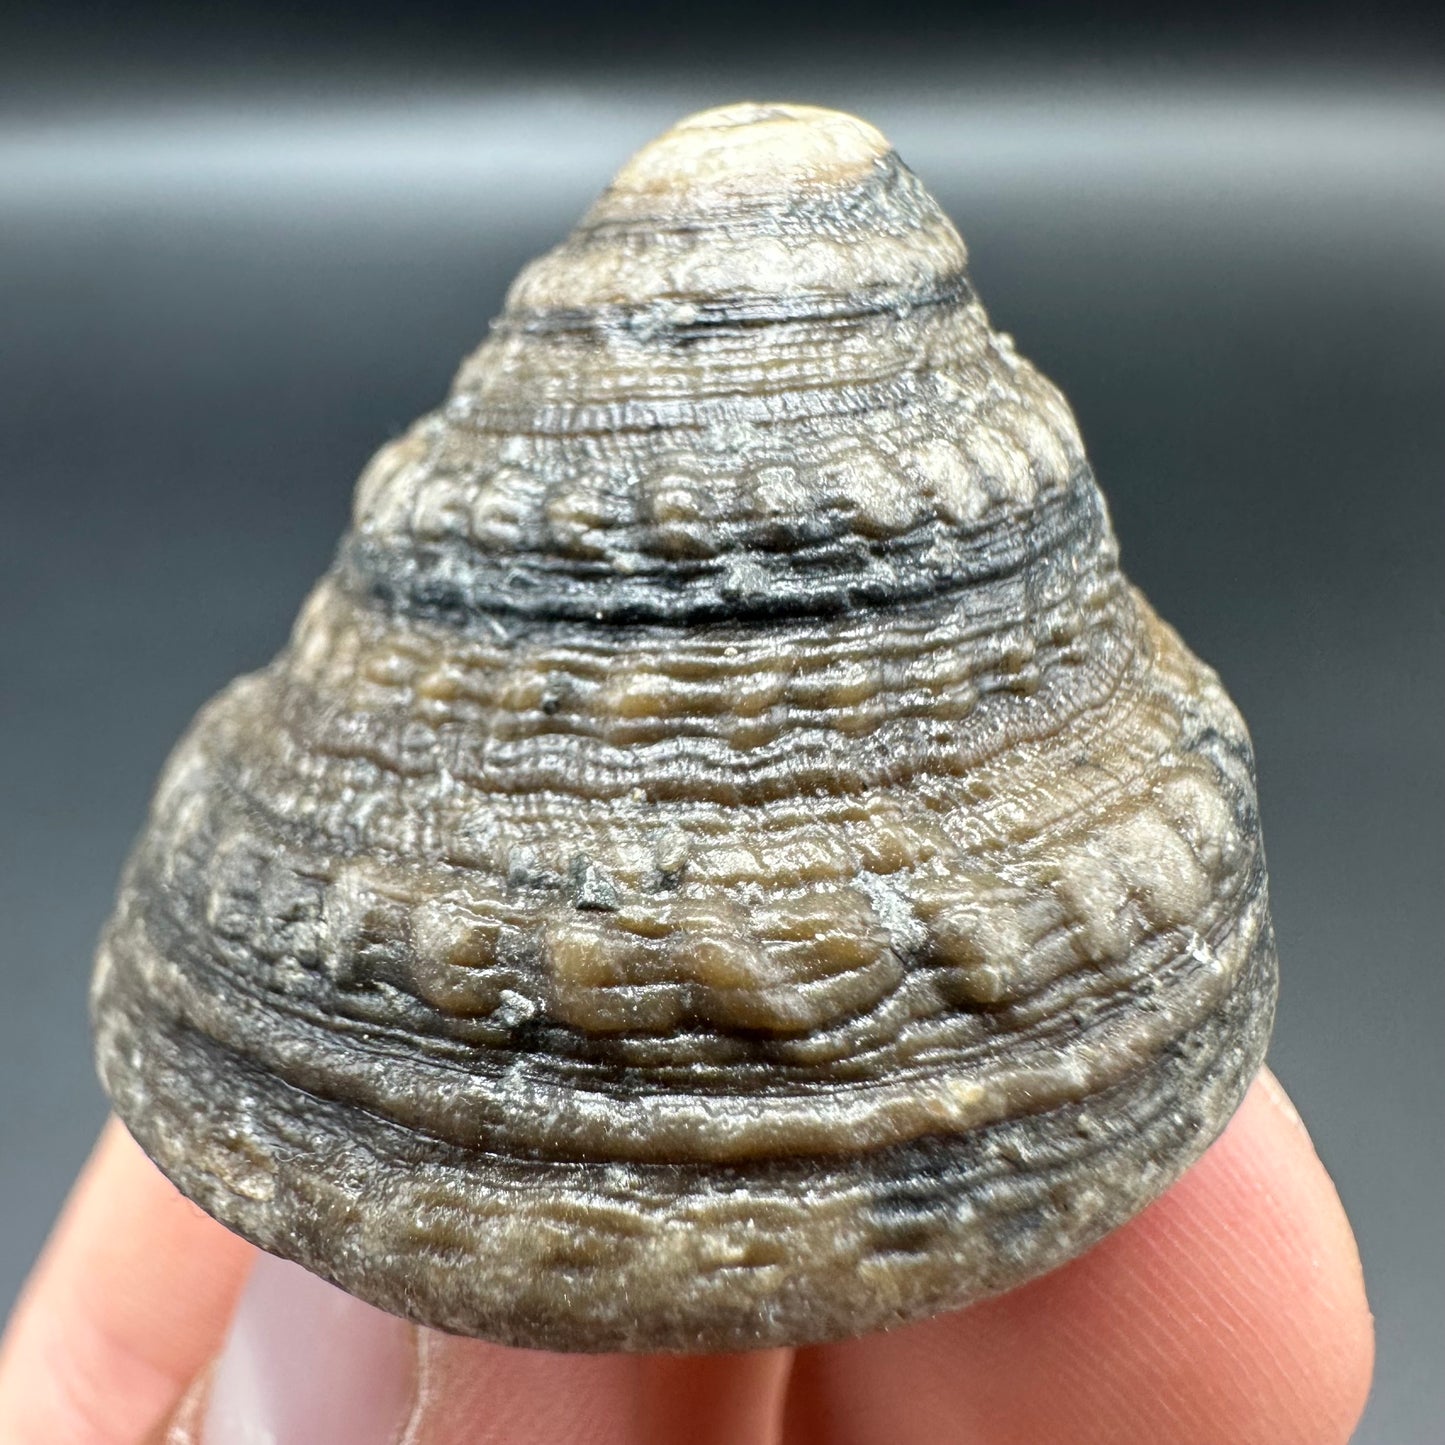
(725, 858)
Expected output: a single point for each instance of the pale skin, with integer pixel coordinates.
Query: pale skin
(1232, 1312)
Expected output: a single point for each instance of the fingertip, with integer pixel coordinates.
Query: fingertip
(1309, 1292)
(1235, 1306)
(1232, 1309)
(128, 1299)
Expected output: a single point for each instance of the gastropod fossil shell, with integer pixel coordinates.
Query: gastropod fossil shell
(725, 858)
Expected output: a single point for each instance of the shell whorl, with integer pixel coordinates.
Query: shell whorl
(754, 379)
(725, 858)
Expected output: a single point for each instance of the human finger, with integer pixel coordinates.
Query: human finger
(305, 1363)
(1232, 1309)
(128, 1299)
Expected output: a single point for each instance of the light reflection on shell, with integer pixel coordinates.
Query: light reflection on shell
(726, 859)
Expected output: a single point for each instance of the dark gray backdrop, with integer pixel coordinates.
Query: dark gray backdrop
(217, 298)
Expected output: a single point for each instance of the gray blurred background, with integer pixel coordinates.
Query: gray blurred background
(239, 249)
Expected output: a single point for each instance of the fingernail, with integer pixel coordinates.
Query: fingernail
(306, 1364)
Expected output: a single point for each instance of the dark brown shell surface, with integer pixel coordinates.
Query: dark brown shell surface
(725, 858)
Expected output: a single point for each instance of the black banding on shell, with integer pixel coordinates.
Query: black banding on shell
(454, 582)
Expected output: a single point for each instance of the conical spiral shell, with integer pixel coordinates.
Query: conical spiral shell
(725, 858)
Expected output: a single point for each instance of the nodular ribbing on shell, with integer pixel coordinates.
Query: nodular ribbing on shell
(725, 859)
